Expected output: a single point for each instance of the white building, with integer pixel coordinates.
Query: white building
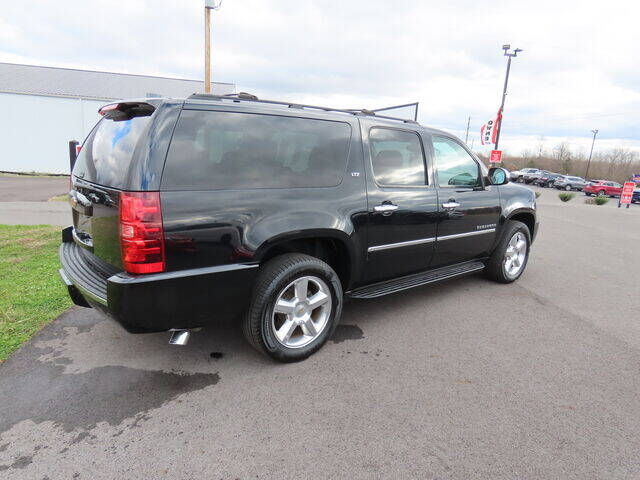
(42, 108)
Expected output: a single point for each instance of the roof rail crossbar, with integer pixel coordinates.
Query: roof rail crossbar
(404, 105)
(244, 96)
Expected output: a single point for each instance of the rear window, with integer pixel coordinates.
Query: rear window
(106, 153)
(222, 150)
(575, 179)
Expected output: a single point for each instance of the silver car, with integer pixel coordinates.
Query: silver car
(568, 183)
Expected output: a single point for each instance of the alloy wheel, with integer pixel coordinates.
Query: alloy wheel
(514, 258)
(301, 312)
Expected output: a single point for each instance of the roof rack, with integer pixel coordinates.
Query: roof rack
(248, 97)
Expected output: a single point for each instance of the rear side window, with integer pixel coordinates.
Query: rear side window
(397, 157)
(107, 152)
(222, 150)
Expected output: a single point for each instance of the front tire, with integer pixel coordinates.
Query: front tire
(295, 307)
(509, 259)
(568, 188)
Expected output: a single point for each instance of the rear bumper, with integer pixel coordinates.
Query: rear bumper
(157, 302)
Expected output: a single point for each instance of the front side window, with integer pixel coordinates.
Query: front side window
(455, 166)
(397, 157)
(222, 150)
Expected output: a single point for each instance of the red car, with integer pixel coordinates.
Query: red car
(602, 188)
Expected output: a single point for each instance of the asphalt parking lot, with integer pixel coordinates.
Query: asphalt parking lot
(24, 188)
(23, 200)
(463, 380)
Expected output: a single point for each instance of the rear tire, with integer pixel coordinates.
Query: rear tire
(282, 321)
(509, 259)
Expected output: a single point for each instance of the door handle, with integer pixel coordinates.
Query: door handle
(450, 205)
(386, 208)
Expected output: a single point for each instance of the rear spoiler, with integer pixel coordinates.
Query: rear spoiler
(126, 110)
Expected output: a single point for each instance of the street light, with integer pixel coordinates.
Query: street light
(510, 55)
(595, 132)
(208, 6)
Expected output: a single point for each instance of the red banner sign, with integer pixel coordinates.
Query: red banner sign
(489, 130)
(496, 156)
(627, 193)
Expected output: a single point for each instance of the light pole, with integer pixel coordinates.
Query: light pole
(595, 132)
(208, 6)
(510, 55)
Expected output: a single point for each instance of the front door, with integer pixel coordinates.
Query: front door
(469, 210)
(402, 204)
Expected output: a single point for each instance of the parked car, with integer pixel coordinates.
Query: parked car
(603, 188)
(547, 179)
(530, 174)
(635, 198)
(514, 175)
(527, 175)
(567, 182)
(187, 212)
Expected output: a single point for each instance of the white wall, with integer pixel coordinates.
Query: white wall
(35, 130)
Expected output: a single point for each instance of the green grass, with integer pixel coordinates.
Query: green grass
(566, 196)
(538, 194)
(60, 198)
(31, 293)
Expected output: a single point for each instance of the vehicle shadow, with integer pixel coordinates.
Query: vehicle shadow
(359, 318)
(87, 340)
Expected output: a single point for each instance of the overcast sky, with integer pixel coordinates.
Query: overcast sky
(580, 68)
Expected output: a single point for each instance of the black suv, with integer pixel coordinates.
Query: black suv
(190, 211)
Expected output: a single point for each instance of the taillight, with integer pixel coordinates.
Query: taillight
(141, 233)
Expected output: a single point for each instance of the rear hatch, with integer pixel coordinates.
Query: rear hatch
(101, 176)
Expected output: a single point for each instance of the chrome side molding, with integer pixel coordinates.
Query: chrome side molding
(467, 234)
(387, 246)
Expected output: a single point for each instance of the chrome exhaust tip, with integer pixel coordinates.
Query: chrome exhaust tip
(179, 337)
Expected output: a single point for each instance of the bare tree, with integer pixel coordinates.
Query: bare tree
(562, 156)
(540, 148)
(617, 164)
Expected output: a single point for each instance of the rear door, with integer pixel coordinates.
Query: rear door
(402, 204)
(101, 172)
(615, 189)
(469, 210)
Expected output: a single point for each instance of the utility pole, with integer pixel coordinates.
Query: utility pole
(595, 132)
(466, 137)
(506, 49)
(208, 6)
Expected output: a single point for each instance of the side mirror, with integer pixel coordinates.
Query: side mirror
(498, 175)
